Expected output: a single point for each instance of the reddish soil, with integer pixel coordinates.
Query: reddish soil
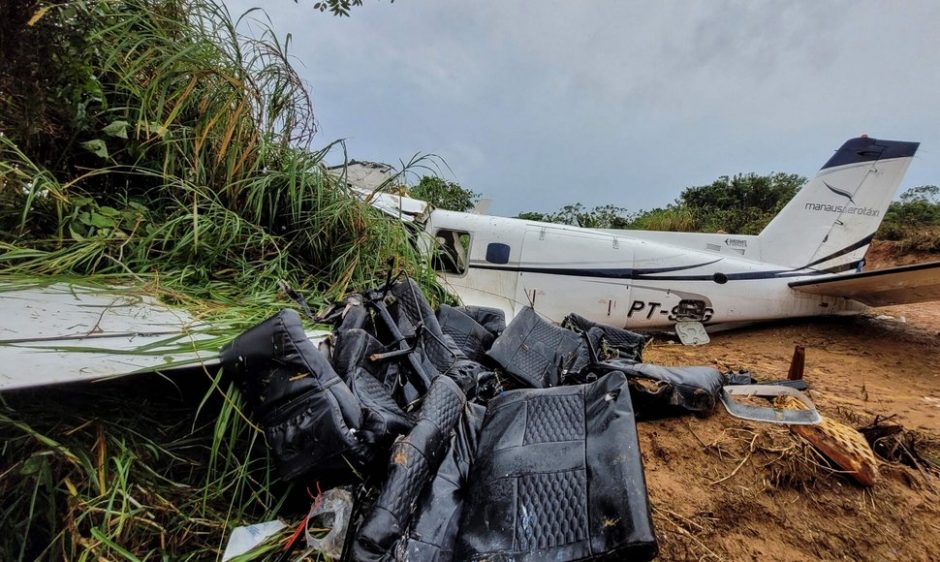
(883, 253)
(727, 489)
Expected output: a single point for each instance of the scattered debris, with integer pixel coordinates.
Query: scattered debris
(797, 364)
(739, 377)
(312, 421)
(531, 350)
(447, 421)
(330, 513)
(894, 443)
(842, 444)
(891, 319)
(410, 406)
(244, 539)
(562, 468)
(692, 332)
(780, 415)
(659, 391)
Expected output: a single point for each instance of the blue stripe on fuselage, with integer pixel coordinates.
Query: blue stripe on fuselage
(648, 274)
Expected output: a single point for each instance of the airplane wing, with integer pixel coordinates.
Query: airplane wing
(59, 333)
(881, 287)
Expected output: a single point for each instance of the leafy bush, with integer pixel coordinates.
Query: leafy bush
(914, 220)
(606, 216)
(742, 204)
(918, 207)
(675, 218)
(444, 194)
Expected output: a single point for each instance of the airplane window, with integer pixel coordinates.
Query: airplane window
(497, 253)
(453, 251)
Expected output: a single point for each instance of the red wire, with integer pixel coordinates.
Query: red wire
(296, 535)
(303, 524)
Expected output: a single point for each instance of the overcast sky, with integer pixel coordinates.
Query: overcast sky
(536, 104)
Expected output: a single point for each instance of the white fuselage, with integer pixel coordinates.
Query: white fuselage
(633, 279)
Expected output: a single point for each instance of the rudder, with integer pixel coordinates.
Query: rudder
(831, 221)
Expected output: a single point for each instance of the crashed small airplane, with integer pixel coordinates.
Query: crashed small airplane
(806, 262)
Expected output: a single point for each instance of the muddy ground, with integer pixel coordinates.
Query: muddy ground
(727, 489)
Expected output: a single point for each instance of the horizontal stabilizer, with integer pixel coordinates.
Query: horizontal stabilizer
(881, 287)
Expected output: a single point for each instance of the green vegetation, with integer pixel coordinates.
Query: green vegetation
(130, 470)
(913, 222)
(180, 147)
(153, 143)
(741, 204)
(607, 216)
(338, 7)
(444, 194)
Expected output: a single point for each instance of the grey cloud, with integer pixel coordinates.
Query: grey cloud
(541, 103)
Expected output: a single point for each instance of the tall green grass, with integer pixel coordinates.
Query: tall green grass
(129, 471)
(180, 166)
(201, 167)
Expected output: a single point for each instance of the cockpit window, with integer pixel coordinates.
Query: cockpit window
(452, 251)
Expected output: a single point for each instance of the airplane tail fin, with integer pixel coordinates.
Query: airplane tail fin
(831, 221)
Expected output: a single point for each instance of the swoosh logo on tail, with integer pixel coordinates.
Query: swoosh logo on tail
(841, 192)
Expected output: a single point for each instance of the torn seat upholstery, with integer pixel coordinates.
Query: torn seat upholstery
(533, 350)
(558, 476)
(550, 475)
(613, 343)
(434, 528)
(313, 423)
(414, 461)
(472, 338)
(658, 390)
(372, 383)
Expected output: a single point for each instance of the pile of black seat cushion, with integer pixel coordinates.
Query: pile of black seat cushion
(470, 439)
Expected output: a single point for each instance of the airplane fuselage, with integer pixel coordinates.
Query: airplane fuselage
(624, 278)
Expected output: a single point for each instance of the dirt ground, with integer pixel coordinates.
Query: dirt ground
(727, 489)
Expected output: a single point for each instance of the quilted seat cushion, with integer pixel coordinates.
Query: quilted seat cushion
(558, 476)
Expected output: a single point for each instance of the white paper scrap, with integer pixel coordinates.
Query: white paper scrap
(246, 538)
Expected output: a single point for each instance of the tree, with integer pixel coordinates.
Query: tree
(925, 193)
(916, 207)
(444, 194)
(605, 216)
(338, 7)
(742, 204)
(534, 216)
(916, 211)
